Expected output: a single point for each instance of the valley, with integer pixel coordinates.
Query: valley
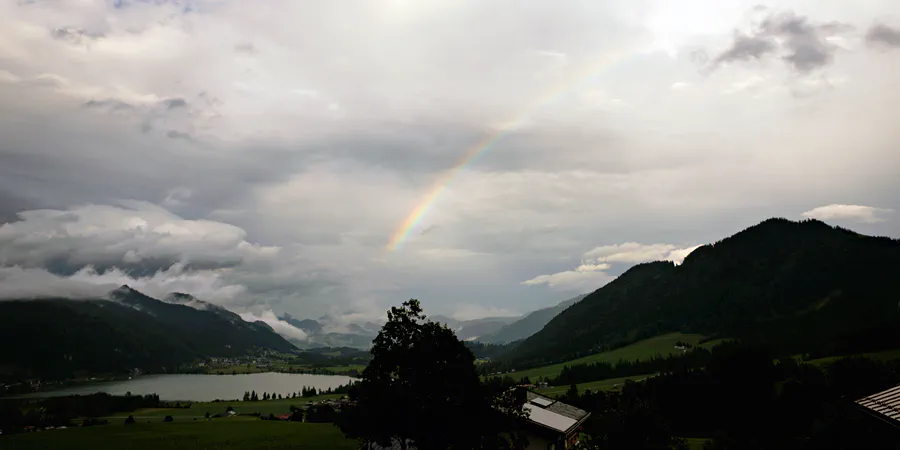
(751, 305)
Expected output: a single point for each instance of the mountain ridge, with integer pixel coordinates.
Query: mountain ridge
(528, 324)
(59, 337)
(798, 286)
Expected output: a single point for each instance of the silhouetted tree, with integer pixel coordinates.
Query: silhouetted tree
(421, 386)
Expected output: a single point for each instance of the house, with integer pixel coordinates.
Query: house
(884, 405)
(552, 424)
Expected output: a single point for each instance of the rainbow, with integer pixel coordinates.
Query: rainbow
(440, 185)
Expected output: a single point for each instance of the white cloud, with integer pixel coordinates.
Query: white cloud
(134, 233)
(572, 280)
(633, 253)
(281, 327)
(592, 273)
(851, 213)
(470, 311)
(28, 283)
(679, 85)
(677, 256)
(19, 282)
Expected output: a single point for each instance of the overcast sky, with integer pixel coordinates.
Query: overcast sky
(260, 155)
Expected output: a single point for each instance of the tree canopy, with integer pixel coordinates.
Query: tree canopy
(422, 388)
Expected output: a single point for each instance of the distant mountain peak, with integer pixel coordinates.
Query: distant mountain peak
(122, 290)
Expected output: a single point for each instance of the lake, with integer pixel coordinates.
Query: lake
(204, 388)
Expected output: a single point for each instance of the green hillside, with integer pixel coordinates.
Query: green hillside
(594, 386)
(796, 286)
(663, 345)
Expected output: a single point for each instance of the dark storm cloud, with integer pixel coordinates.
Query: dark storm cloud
(175, 134)
(110, 104)
(173, 103)
(803, 44)
(883, 35)
(11, 205)
(76, 36)
(747, 47)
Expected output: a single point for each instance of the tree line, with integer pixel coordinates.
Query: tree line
(744, 399)
(304, 392)
(56, 411)
(583, 373)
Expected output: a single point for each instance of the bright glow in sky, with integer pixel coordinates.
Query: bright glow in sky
(271, 150)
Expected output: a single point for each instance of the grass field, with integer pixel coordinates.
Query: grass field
(198, 410)
(611, 384)
(697, 443)
(220, 434)
(884, 356)
(662, 345)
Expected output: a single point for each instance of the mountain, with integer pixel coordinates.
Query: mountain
(329, 332)
(472, 329)
(352, 335)
(189, 300)
(794, 286)
(310, 326)
(528, 325)
(57, 337)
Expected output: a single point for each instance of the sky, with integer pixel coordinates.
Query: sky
(487, 158)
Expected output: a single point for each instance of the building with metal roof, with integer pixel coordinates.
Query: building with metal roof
(885, 405)
(551, 425)
(554, 425)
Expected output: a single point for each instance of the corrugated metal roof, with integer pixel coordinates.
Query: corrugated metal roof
(549, 419)
(551, 413)
(885, 403)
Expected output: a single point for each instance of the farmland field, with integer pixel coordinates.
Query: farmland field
(884, 356)
(662, 345)
(199, 409)
(602, 385)
(220, 434)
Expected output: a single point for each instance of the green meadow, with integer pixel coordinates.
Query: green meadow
(198, 410)
(602, 385)
(218, 434)
(662, 345)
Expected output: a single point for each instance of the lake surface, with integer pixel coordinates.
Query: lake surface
(204, 388)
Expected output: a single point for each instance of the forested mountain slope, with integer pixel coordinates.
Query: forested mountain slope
(58, 338)
(528, 325)
(798, 286)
